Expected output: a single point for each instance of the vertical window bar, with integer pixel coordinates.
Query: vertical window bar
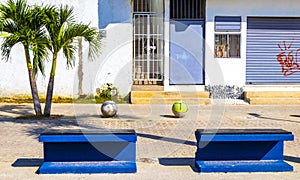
(138, 46)
(155, 43)
(190, 12)
(156, 58)
(143, 47)
(134, 50)
(135, 6)
(172, 11)
(201, 9)
(135, 46)
(148, 46)
(158, 52)
(177, 9)
(181, 8)
(187, 9)
(136, 43)
(140, 67)
(178, 12)
(184, 8)
(152, 45)
(197, 9)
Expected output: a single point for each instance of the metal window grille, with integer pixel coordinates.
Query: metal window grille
(187, 9)
(147, 6)
(227, 36)
(147, 42)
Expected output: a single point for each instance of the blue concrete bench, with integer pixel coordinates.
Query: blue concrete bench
(241, 150)
(88, 151)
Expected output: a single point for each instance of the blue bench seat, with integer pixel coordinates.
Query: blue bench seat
(88, 151)
(241, 150)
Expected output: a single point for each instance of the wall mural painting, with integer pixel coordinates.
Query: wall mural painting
(287, 60)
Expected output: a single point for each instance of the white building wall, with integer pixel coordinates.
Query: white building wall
(14, 75)
(114, 65)
(115, 62)
(232, 71)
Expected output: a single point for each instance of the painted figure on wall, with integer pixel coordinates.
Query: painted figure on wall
(287, 60)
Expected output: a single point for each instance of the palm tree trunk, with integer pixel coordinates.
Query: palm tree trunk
(47, 110)
(33, 86)
(34, 93)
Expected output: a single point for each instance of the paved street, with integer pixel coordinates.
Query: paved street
(165, 146)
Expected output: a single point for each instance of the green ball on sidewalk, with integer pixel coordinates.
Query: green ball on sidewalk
(179, 109)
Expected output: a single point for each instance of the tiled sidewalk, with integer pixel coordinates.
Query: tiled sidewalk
(165, 147)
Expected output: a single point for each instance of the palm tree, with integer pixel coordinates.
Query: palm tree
(23, 25)
(64, 33)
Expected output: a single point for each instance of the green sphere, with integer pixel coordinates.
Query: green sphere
(179, 109)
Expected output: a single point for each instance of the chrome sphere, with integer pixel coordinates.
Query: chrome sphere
(109, 109)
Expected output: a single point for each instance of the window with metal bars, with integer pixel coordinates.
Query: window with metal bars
(227, 36)
(147, 6)
(187, 9)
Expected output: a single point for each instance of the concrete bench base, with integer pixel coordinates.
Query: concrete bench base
(243, 166)
(87, 167)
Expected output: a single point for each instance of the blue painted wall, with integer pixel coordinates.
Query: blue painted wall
(113, 11)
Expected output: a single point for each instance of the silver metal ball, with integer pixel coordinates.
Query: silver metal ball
(109, 109)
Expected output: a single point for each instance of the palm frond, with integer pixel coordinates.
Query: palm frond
(9, 26)
(16, 11)
(40, 53)
(25, 24)
(48, 15)
(69, 52)
(66, 14)
(7, 45)
(91, 35)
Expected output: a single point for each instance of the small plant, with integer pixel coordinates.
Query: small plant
(108, 92)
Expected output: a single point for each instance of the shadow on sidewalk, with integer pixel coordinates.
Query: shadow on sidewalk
(178, 162)
(168, 139)
(292, 159)
(38, 126)
(16, 109)
(28, 162)
(276, 119)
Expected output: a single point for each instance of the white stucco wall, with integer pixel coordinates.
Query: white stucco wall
(115, 62)
(14, 75)
(233, 70)
(114, 65)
